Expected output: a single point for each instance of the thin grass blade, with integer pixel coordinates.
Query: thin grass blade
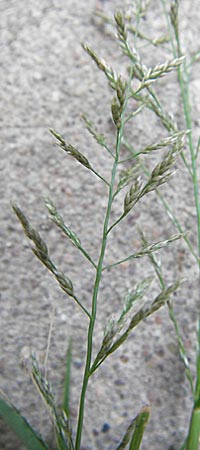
(194, 431)
(197, 389)
(140, 426)
(66, 395)
(183, 447)
(131, 428)
(21, 427)
(127, 436)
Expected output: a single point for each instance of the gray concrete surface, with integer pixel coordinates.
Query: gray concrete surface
(48, 81)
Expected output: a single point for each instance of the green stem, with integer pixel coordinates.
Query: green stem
(94, 302)
(192, 441)
(81, 306)
(99, 269)
(184, 88)
(188, 120)
(99, 176)
(115, 223)
(89, 340)
(176, 223)
(87, 256)
(194, 428)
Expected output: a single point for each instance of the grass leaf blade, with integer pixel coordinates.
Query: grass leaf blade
(66, 395)
(194, 431)
(140, 425)
(127, 436)
(194, 428)
(21, 427)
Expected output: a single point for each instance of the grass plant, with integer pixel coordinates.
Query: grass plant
(137, 182)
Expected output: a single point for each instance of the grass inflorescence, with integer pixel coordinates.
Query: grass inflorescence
(134, 183)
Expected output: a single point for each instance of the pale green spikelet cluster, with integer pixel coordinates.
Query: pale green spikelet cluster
(174, 14)
(118, 102)
(104, 67)
(41, 251)
(129, 172)
(160, 71)
(61, 423)
(112, 340)
(71, 150)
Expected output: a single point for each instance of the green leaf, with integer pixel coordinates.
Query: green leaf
(140, 425)
(67, 379)
(21, 427)
(127, 436)
(194, 431)
(192, 442)
(197, 388)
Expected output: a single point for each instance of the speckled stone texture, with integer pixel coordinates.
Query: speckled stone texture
(48, 81)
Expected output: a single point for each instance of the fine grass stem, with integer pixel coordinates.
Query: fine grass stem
(120, 127)
(192, 441)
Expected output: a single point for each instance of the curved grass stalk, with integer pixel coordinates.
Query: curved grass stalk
(192, 441)
(184, 88)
